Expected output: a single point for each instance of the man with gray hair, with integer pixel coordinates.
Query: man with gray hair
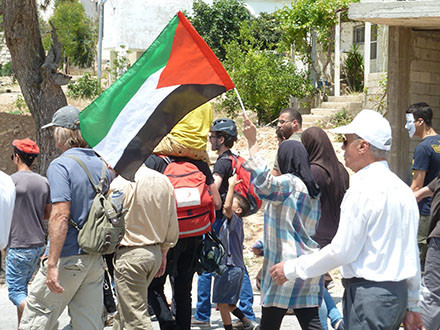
(376, 242)
(68, 277)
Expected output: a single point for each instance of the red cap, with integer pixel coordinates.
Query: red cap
(27, 146)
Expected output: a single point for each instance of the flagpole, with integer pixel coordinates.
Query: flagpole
(241, 102)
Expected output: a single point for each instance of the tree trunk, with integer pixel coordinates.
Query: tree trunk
(35, 72)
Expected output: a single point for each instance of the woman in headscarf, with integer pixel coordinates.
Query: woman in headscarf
(332, 178)
(290, 219)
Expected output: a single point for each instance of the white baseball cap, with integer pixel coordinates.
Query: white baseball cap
(370, 126)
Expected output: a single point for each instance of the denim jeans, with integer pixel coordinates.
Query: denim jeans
(328, 309)
(203, 307)
(20, 266)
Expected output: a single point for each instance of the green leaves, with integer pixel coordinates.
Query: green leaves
(306, 16)
(76, 32)
(354, 69)
(265, 80)
(85, 87)
(220, 23)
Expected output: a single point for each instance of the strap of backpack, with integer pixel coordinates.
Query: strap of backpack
(98, 187)
(166, 159)
(234, 163)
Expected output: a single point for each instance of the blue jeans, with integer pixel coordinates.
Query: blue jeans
(203, 307)
(20, 266)
(328, 309)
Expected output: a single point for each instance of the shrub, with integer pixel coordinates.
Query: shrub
(21, 106)
(265, 80)
(6, 69)
(354, 69)
(85, 87)
(340, 118)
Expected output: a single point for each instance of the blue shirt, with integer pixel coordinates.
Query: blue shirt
(427, 158)
(69, 183)
(232, 237)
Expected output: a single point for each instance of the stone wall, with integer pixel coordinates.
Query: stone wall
(374, 95)
(413, 76)
(424, 75)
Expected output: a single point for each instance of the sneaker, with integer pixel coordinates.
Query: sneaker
(290, 311)
(339, 325)
(252, 325)
(110, 319)
(237, 325)
(330, 285)
(198, 323)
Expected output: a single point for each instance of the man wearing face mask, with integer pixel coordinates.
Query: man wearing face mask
(426, 163)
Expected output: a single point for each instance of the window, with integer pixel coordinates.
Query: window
(359, 34)
(359, 38)
(373, 44)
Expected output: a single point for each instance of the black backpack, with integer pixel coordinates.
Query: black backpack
(212, 254)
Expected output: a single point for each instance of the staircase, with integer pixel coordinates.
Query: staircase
(334, 104)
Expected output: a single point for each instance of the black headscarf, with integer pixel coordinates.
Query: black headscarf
(322, 154)
(333, 181)
(293, 158)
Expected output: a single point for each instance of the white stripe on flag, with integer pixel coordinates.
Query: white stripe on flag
(132, 118)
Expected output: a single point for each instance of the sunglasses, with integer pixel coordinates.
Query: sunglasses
(346, 142)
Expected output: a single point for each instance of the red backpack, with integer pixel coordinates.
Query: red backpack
(195, 206)
(245, 187)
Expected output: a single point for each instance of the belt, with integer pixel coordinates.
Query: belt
(136, 246)
(356, 280)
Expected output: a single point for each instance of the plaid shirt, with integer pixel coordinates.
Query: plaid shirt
(290, 219)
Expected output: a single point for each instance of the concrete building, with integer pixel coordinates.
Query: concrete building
(413, 65)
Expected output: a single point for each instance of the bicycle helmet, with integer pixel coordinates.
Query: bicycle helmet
(224, 125)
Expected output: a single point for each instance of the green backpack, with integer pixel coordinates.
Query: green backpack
(105, 225)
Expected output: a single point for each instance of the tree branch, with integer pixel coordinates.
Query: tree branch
(52, 61)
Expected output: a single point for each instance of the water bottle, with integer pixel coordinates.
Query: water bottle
(117, 197)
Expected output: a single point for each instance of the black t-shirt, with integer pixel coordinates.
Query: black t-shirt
(223, 167)
(158, 164)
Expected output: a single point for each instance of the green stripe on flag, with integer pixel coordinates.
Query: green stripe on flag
(98, 117)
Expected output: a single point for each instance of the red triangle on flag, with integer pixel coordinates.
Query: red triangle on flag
(191, 60)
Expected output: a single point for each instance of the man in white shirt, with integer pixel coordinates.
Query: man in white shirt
(376, 242)
(7, 200)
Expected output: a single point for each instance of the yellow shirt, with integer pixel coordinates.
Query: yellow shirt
(192, 131)
(152, 215)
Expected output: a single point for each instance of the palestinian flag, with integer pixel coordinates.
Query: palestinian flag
(175, 75)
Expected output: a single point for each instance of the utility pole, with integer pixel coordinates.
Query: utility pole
(100, 34)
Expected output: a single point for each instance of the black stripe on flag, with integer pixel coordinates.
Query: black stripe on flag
(168, 113)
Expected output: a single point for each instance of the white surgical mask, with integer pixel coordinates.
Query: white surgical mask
(410, 124)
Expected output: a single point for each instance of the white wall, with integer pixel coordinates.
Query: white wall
(136, 26)
(259, 6)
